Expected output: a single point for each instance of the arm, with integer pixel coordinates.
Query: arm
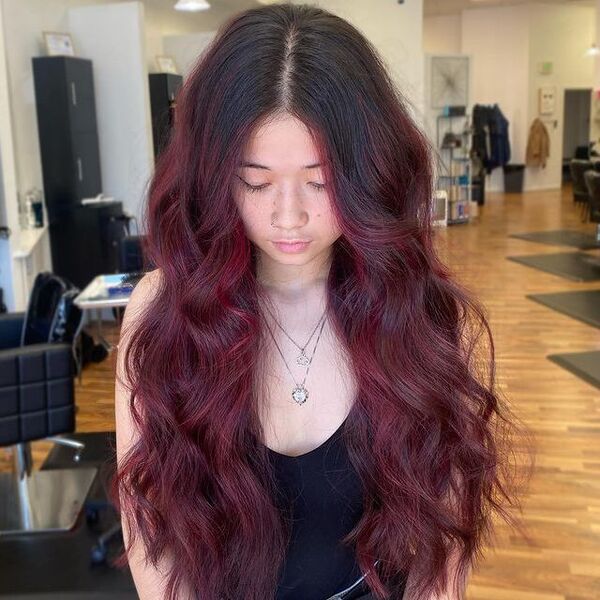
(150, 583)
(451, 500)
(446, 595)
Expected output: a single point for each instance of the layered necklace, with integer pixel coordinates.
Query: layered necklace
(299, 392)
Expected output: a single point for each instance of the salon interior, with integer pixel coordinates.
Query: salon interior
(507, 91)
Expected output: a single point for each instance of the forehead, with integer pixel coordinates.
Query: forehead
(281, 144)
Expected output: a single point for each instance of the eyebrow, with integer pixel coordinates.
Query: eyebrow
(252, 165)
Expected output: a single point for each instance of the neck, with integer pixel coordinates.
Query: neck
(294, 284)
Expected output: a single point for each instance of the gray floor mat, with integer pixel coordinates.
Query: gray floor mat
(582, 305)
(576, 266)
(585, 365)
(561, 237)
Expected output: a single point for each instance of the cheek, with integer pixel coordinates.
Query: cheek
(327, 223)
(254, 221)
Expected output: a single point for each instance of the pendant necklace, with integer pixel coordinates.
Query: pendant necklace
(302, 359)
(299, 393)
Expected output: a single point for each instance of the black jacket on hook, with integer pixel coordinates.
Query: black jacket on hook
(490, 136)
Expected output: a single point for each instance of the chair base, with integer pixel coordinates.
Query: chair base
(44, 501)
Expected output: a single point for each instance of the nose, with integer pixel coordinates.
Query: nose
(289, 211)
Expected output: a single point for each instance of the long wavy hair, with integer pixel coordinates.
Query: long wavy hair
(430, 436)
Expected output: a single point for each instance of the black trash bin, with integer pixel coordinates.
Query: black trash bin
(513, 178)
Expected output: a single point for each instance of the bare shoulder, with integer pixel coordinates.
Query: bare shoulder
(139, 300)
(140, 297)
(146, 287)
(152, 278)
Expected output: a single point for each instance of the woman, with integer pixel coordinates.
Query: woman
(299, 409)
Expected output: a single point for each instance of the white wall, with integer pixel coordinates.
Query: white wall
(497, 38)
(23, 41)
(112, 36)
(19, 136)
(442, 34)
(560, 34)
(165, 25)
(186, 49)
(8, 187)
(505, 45)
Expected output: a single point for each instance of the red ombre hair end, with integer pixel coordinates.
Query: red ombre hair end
(429, 434)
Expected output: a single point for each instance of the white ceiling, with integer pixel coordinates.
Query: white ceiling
(446, 7)
(430, 7)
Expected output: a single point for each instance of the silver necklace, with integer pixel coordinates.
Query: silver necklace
(299, 393)
(301, 359)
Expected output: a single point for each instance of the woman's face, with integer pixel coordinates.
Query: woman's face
(279, 180)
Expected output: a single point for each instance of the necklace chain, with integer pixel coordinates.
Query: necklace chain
(299, 393)
(302, 359)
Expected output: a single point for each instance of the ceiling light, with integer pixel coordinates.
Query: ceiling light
(593, 50)
(192, 5)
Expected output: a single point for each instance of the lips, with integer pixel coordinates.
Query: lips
(292, 247)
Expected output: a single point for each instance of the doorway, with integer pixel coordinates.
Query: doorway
(577, 133)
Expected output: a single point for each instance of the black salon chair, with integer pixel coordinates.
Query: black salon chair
(131, 254)
(38, 362)
(581, 194)
(592, 180)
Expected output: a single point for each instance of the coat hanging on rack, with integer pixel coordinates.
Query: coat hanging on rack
(538, 144)
(490, 136)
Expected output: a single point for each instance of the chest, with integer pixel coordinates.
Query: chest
(294, 429)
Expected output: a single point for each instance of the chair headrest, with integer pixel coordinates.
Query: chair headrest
(51, 313)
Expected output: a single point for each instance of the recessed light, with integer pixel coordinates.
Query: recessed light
(192, 5)
(593, 50)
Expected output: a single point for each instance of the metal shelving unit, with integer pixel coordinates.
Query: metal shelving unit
(459, 182)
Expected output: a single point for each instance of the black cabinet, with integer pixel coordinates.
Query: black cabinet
(68, 133)
(87, 164)
(84, 239)
(85, 242)
(163, 92)
(80, 87)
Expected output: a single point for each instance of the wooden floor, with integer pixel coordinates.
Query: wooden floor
(562, 509)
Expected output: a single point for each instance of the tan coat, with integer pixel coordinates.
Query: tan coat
(538, 145)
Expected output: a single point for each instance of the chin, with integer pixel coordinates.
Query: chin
(291, 259)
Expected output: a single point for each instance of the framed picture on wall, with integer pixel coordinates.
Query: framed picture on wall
(547, 100)
(449, 81)
(58, 44)
(166, 64)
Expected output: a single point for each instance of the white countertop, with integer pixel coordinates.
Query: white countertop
(28, 239)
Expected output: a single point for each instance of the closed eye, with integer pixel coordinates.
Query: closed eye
(257, 188)
(254, 188)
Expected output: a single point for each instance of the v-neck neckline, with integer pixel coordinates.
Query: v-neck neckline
(321, 446)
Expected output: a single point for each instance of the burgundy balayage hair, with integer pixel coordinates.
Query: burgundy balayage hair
(430, 436)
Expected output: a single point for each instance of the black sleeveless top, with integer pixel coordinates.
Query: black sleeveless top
(322, 494)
